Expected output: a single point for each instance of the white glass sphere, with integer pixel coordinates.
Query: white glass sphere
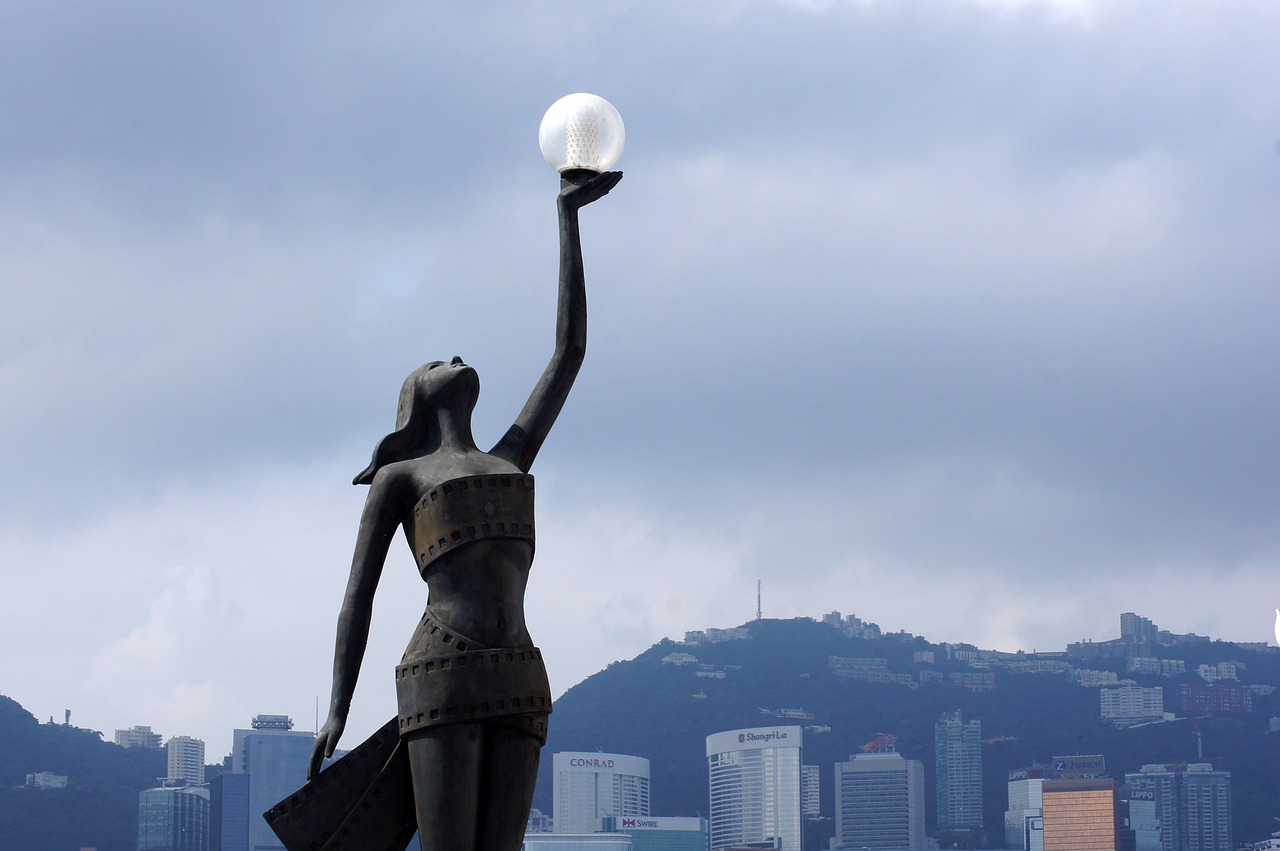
(581, 131)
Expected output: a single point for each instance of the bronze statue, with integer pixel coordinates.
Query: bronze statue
(472, 690)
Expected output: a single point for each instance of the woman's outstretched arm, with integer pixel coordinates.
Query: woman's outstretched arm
(378, 524)
(522, 441)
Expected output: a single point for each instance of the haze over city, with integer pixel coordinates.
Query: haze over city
(956, 315)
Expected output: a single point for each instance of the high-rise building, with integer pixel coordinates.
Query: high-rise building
(959, 772)
(755, 788)
(274, 757)
(1080, 815)
(879, 802)
(173, 818)
(229, 813)
(186, 760)
(660, 833)
(1192, 805)
(586, 787)
(138, 737)
(1022, 819)
(811, 791)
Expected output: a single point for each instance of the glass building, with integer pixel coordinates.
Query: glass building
(587, 787)
(1079, 815)
(755, 788)
(173, 818)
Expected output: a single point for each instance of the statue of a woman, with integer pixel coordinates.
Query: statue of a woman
(471, 689)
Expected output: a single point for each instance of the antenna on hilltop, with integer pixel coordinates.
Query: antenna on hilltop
(759, 608)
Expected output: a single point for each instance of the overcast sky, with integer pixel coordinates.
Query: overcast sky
(956, 315)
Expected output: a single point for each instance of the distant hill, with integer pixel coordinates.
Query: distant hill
(664, 711)
(99, 806)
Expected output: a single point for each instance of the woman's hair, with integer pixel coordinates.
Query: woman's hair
(414, 435)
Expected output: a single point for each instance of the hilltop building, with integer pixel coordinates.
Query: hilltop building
(590, 786)
(186, 761)
(879, 801)
(1128, 706)
(755, 788)
(959, 772)
(138, 737)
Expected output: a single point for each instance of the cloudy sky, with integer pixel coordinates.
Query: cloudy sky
(956, 315)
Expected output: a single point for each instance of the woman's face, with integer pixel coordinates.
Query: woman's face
(447, 384)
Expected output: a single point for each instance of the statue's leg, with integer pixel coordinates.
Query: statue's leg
(511, 769)
(446, 765)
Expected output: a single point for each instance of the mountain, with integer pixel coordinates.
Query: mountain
(99, 806)
(662, 705)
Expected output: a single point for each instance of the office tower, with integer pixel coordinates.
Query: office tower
(755, 787)
(1206, 808)
(959, 764)
(1192, 804)
(273, 759)
(1079, 815)
(586, 787)
(810, 791)
(229, 813)
(660, 834)
(173, 818)
(1144, 818)
(880, 801)
(138, 737)
(1022, 818)
(186, 761)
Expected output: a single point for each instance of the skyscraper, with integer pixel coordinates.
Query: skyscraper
(811, 791)
(586, 787)
(173, 819)
(186, 760)
(1192, 805)
(959, 765)
(1079, 815)
(274, 757)
(880, 802)
(755, 787)
(1023, 818)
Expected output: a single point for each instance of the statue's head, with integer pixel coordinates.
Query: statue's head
(432, 389)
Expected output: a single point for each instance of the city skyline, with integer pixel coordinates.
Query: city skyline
(975, 298)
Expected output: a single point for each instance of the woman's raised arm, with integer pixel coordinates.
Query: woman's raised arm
(522, 441)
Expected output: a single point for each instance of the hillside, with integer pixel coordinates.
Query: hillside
(99, 806)
(664, 711)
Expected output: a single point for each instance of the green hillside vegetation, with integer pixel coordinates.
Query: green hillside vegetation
(658, 711)
(99, 807)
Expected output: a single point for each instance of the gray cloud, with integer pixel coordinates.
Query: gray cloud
(968, 297)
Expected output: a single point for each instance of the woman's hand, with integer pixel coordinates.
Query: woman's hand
(326, 741)
(576, 196)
